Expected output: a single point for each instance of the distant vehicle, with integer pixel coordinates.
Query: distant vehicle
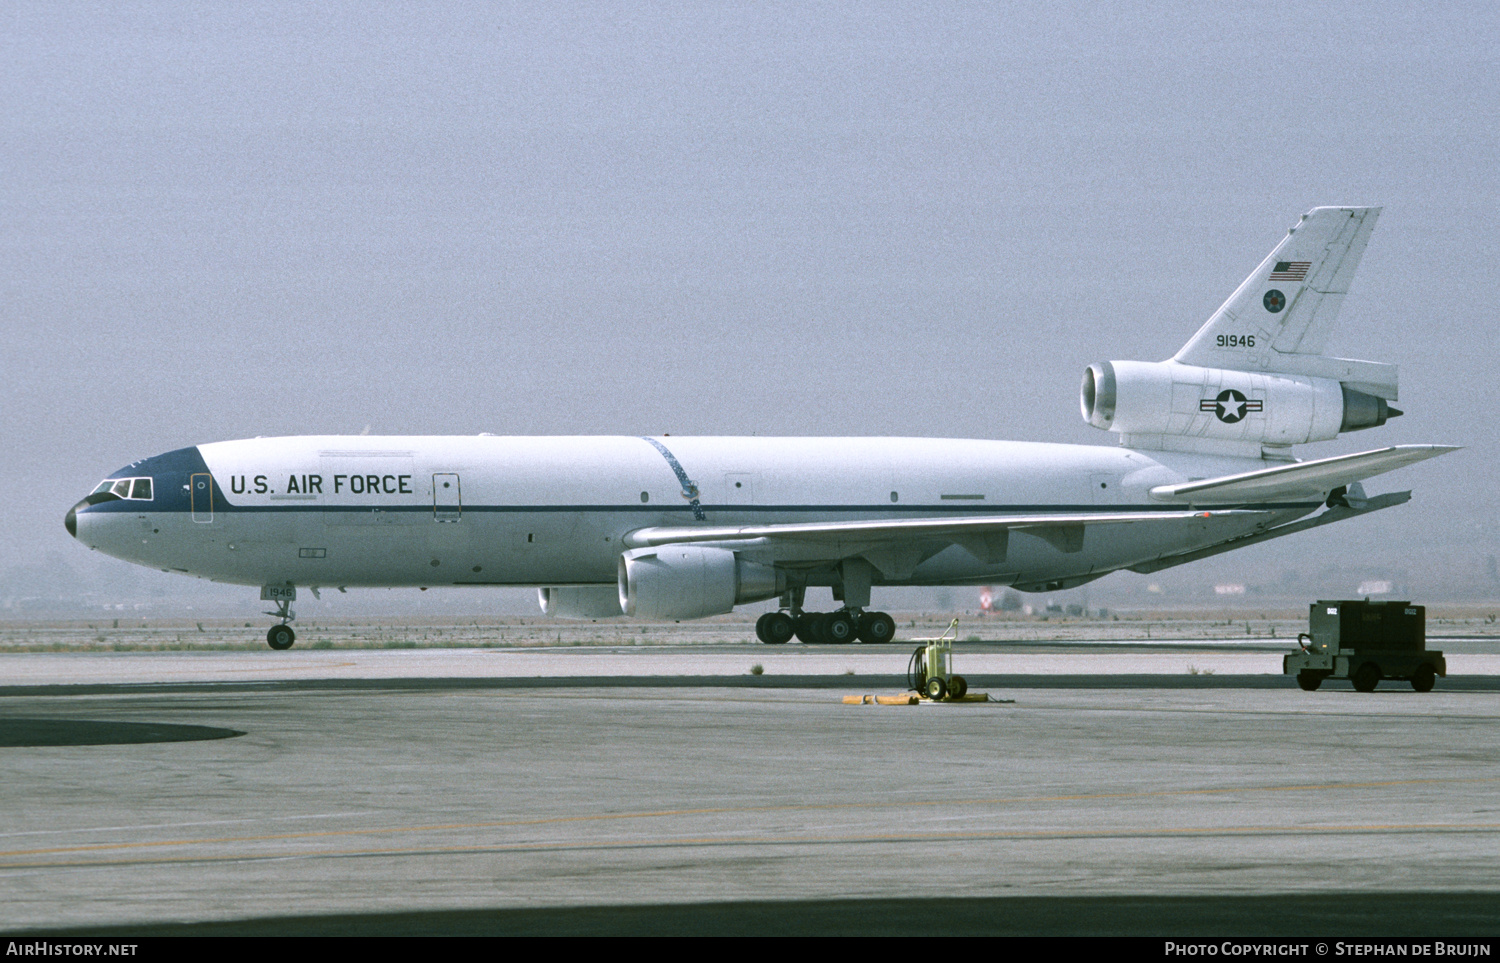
(1365, 642)
(684, 528)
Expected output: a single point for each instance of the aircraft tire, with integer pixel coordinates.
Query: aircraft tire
(1365, 678)
(839, 628)
(1424, 678)
(806, 628)
(760, 628)
(281, 637)
(876, 627)
(779, 629)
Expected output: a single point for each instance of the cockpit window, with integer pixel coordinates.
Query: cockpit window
(136, 489)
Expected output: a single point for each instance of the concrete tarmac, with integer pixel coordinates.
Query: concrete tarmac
(18, 671)
(274, 802)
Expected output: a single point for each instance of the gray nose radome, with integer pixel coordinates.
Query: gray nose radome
(71, 520)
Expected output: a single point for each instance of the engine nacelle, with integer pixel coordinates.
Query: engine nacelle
(580, 601)
(690, 582)
(1167, 398)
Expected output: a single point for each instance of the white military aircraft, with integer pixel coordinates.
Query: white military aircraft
(683, 528)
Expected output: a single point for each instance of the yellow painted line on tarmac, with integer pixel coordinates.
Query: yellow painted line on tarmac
(721, 810)
(735, 809)
(783, 840)
(301, 667)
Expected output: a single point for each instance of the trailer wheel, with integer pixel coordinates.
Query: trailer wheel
(1424, 678)
(936, 689)
(1366, 677)
(1308, 680)
(958, 687)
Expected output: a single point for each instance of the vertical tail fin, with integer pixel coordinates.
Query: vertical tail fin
(1279, 320)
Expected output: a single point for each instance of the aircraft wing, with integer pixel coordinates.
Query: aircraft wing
(1299, 480)
(984, 534)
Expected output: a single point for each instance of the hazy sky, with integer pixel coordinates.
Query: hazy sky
(226, 220)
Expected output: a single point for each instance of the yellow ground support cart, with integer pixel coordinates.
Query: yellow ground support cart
(930, 670)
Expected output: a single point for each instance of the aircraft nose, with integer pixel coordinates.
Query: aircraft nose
(71, 520)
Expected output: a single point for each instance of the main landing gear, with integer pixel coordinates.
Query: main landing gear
(830, 628)
(825, 628)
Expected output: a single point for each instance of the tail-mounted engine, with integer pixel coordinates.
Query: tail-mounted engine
(1257, 374)
(1166, 398)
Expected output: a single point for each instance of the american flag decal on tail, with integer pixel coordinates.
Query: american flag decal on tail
(1290, 270)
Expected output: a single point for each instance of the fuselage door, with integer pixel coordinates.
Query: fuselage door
(447, 502)
(201, 497)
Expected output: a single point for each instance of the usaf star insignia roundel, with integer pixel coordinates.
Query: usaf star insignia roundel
(1230, 406)
(1274, 300)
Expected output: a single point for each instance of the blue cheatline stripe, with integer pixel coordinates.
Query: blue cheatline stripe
(910, 510)
(689, 490)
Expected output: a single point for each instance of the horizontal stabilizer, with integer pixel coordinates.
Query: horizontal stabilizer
(1300, 480)
(1336, 514)
(882, 529)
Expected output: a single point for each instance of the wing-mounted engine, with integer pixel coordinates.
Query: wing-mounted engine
(692, 582)
(1255, 374)
(580, 601)
(1147, 402)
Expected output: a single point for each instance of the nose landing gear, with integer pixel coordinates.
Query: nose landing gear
(281, 637)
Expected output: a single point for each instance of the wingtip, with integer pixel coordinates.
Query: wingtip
(1431, 451)
(1424, 452)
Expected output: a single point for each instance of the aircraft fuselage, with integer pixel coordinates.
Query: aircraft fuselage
(557, 511)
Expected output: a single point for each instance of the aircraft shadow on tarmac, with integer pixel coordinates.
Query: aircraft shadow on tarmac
(32, 733)
(1443, 914)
